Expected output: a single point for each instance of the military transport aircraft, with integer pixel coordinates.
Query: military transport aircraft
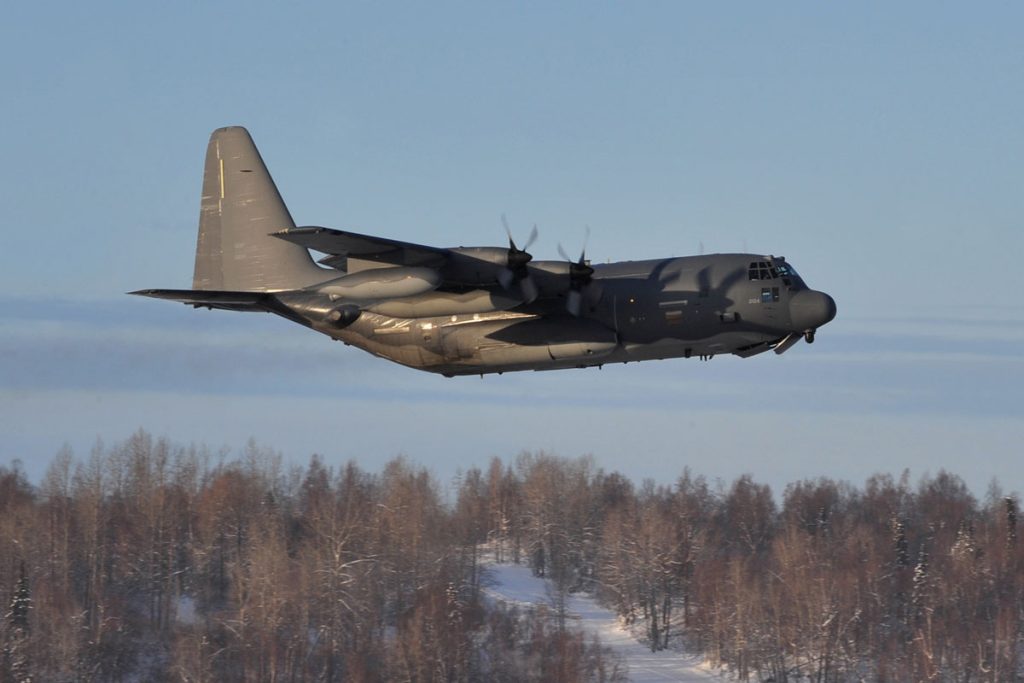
(476, 310)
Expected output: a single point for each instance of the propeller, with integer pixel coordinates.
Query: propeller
(516, 272)
(580, 277)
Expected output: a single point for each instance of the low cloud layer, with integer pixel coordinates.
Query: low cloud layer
(926, 395)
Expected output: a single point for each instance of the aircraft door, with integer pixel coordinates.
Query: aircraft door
(770, 300)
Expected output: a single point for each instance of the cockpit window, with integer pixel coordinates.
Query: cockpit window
(765, 270)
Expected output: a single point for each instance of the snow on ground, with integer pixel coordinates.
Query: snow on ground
(516, 584)
(187, 612)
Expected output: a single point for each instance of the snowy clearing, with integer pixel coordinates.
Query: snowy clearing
(516, 585)
(187, 612)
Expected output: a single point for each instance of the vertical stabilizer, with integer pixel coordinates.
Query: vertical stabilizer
(240, 208)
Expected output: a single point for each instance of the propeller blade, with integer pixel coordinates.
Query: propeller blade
(512, 243)
(518, 258)
(506, 277)
(583, 251)
(516, 273)
(529, 289)
(532, 238)
(508, 231)
(574, 302)
(580, 284)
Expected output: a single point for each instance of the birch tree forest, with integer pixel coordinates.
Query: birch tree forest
(149, 561)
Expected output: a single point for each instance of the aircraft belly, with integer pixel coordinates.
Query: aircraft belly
(526, 344)
(684, 348)
(521, 343)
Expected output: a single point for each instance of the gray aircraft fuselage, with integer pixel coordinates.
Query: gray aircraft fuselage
(668, 308)
(462, 311)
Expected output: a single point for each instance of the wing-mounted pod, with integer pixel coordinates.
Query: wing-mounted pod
(377, 284)
(442, 304)
(340, 302)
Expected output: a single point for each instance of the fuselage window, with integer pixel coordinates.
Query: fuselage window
(766, 295)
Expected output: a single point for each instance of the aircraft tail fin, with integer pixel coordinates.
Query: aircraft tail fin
(240, 209)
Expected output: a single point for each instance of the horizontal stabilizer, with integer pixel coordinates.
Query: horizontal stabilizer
(229, 301)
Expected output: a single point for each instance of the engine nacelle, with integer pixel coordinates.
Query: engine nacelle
(475, 266)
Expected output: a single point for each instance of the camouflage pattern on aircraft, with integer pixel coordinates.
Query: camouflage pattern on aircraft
(477, 310)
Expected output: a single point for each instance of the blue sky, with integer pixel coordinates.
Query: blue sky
(877, 146)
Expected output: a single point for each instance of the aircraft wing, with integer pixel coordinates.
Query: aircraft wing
(341, 245)
(459, 267)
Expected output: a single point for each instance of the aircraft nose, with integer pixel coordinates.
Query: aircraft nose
(809, 310)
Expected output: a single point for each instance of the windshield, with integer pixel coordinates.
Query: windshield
(774, 270)
(785, 270)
